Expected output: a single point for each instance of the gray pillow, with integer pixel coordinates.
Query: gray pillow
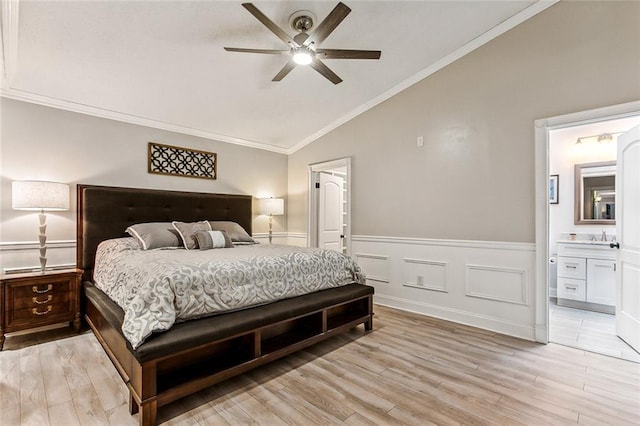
(208, 240)
(187, 231)
(153, 235)
(235, 231)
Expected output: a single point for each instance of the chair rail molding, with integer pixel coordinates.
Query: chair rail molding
(18, 256)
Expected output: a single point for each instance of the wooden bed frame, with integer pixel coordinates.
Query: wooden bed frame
(199, 353)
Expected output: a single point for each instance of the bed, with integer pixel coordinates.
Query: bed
(198, 353)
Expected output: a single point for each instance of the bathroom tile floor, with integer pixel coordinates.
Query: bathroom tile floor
(587, 330)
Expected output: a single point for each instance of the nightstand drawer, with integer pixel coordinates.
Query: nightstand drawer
(41, 312)
(40, 300)
(41, 291)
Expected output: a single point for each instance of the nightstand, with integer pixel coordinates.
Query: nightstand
(36, 299)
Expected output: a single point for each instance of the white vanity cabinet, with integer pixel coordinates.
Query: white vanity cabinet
(586, 275)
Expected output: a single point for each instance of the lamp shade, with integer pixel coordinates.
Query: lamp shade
(39, 195)
(271, 206)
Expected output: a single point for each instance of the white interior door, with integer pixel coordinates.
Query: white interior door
(628, 236)
(330, 216)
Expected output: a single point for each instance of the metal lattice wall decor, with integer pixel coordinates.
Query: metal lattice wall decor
(177, 161)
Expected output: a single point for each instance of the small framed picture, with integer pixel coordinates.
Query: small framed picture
(554, 181)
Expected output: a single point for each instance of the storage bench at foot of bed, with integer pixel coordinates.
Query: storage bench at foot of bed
(197, 354)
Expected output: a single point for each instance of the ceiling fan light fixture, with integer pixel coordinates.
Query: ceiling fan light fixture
(303, 47)
(302, 57)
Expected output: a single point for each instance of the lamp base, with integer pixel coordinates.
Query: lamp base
(43, 264)
(42, 238)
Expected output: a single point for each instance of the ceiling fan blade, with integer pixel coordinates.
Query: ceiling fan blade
(279, 32)
(285, 70)
(348, 54)
(319, 66)
(265, 51)
(329, 24)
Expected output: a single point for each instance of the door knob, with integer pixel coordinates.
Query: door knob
(614, 245)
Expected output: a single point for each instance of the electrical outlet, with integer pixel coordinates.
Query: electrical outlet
(420, 141)
(420, 280)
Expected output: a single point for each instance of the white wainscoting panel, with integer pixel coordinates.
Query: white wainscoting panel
(25, 255)
(500, 284)
(486, 284)
(375, 267)
(424, 274)
(297, 239)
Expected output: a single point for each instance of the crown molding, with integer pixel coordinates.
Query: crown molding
(479, 41)
(25, 96)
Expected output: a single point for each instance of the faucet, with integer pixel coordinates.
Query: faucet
(604, 234)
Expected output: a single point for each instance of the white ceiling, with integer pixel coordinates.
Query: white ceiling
(162, 63)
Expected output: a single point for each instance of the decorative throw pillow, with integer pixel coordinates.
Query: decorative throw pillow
(208, 240)
(153, 235)
(187, 231)
(235, 231)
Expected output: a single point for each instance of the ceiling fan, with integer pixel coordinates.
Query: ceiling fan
(303, 47)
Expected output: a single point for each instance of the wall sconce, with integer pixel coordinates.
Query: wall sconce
(40, 196)
(271, 207)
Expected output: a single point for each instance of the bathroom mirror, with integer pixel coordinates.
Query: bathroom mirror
(595, 193)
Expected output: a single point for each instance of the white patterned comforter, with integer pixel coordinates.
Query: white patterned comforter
(157, 288)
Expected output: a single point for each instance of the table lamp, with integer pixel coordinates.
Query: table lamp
(40, 196)
(271, 207)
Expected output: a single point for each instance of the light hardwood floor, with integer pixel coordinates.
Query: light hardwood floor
(410, 370)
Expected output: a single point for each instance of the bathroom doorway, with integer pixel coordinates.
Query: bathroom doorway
(581, 227)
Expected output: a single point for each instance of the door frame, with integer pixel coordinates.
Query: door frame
(312, 208)
(542, 129)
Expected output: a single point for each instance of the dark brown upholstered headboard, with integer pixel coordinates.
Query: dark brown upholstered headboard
(105, 212)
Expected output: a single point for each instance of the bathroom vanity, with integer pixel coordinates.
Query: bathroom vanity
(587, 275)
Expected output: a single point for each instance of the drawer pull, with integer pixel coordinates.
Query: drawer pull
(35, 289)
(37, 302)
(570, 287)
(35, 311)
(572, 267)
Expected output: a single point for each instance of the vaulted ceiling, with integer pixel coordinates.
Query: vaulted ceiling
(162, 63)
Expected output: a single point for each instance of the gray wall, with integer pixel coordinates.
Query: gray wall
(474, 177)
(42, 143)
